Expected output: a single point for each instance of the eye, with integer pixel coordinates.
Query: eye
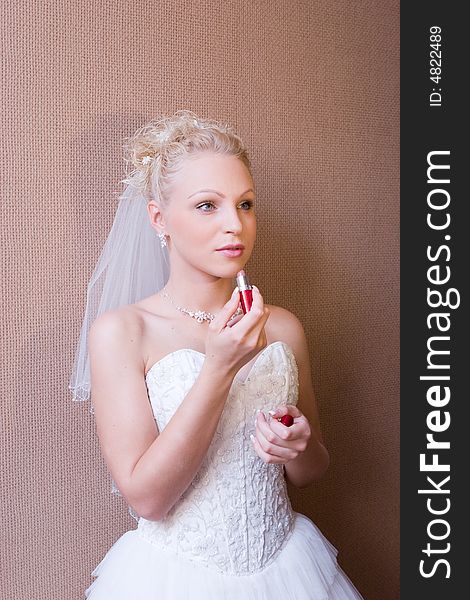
(247, 203)
(205, 204)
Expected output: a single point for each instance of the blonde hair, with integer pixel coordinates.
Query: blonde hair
(156, 150)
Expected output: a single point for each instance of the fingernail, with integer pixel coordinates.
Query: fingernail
(272, 413)
(252, 437)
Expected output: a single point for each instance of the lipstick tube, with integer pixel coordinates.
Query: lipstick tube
(245, 291)
(286, 420)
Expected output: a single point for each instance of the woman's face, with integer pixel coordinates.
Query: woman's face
(211, 206)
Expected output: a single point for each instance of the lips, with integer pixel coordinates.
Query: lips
(232, 247)
(232, 250)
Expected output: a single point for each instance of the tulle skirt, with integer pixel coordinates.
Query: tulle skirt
(304, 569)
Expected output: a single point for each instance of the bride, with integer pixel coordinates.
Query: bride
(188, 391)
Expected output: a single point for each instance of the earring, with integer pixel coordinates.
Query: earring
(162, 239)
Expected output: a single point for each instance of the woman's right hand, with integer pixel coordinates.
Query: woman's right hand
(230, 344)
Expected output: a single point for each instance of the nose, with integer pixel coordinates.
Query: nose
(232, 221)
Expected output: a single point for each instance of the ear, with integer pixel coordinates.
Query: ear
(157, 218)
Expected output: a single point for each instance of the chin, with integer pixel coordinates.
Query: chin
(230, 271)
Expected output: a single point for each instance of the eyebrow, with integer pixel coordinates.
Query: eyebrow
(218, 193)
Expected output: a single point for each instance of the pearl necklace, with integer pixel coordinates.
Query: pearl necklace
(199, 315)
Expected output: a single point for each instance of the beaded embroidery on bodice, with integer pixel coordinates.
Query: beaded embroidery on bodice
(236, 515)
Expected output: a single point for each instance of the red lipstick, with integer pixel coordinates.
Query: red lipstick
(286, 420)
(245, 291)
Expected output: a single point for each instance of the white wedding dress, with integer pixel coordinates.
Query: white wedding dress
(233, 534)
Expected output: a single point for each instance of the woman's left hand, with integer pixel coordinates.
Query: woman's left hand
(276, 443)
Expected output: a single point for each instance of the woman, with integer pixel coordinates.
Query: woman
(187, 392)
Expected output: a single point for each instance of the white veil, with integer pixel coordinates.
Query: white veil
(131, 266)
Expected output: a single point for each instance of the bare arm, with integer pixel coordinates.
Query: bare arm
(310, 465)
(152, 469)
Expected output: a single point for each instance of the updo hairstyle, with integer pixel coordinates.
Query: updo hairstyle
(155, 152)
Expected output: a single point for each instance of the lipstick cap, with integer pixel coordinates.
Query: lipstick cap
(243, 283)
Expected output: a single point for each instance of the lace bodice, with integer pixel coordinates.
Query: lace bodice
(236, 514)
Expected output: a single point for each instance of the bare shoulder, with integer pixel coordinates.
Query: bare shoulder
(124, 319)
(285, 326)
(117, 333)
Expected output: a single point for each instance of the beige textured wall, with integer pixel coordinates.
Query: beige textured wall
(313, 88)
